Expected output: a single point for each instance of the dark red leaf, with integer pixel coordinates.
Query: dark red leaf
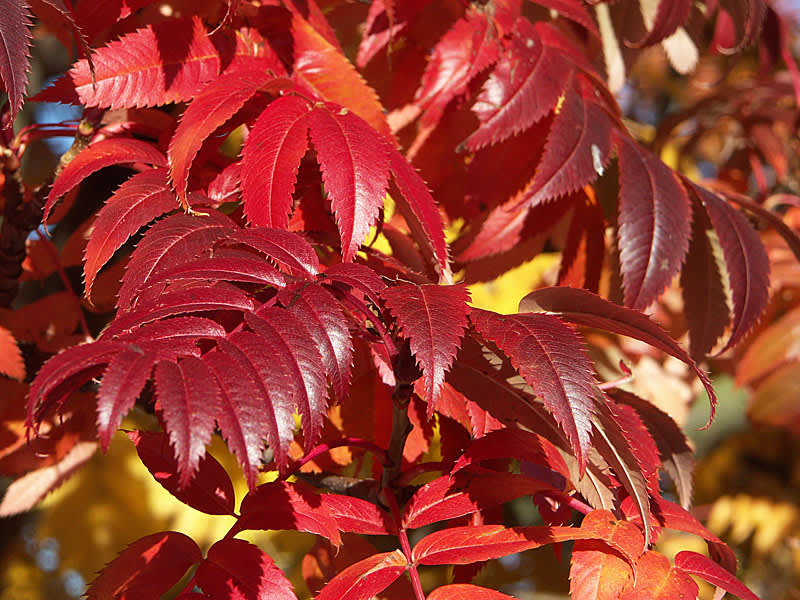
(147, 568)
(236, 569)
(355, 170)
(552, 359)
(282, 505)
(573, 10)
(245, 268)
(15, 41)
(210, 109)
(585, 248)
(670, 15)
(433, 319)
(102, 154)
(585, 308)
(323, 69)
(189, 399)
(136, 202)
(271, 158)
(210, 489)
(292, 253)
(176, 237)
(747, 17)
(366, 578)
(655, 223)
(94, 17)
(467, 49)
(358, 277)
(705, 568)
(524, 86)
(745, 259)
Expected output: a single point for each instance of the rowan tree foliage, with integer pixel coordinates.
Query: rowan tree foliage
(304, 192)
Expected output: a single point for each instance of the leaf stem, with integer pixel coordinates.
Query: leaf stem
(405, 545)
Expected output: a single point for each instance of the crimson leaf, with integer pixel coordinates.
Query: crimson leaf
(15, 40)
(433, 319)
(366, 578)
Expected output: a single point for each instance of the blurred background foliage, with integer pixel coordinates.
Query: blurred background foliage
(747, 477)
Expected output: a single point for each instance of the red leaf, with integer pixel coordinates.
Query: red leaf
(573, 10)
(358, 516)
(242, 267)
(291, 252)
(662, 582)
(464, 545)
(355, 170)
(552, 359)
(746, 262)
(99, 155)
(238, 569)
(419, 208)
(705, 568)
(747, 17)
(241, 417)
(585, 308)
(433, 319)
(176, 237)
(513, 443)
(136, 202)
(147, 568)
(210, 109)
(210, 489)
(94, 17)
(188, 399)
(158, 64)
(655, 223)
(296, 364)
(15, 41)
(706, 309)
(524, 86)
(28, 490)
(11, 361)
(322, 68)
(366, 578)
(270, 161)
(282, 505)
(585, 248)
(596, 573)
(467, 49)
(578, 146)
(466, 591)
(357, 277)
(318, 310)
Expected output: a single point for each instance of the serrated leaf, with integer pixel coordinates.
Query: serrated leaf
(241, 417)
(662, 582)
(552, 359)
(355, 170)
(210, 109)
(149, 567)
(465, 545)
(155, 65)
(189, 399)
(525, 85)
(596, 573)
(746, 262)
(99, 155)
(466, 591)
(176, 237)
(283, 505)
(238, 569)
(271, 158)
(11, 361)
(433, 319)
(366, 578)
(358, 516)
(585, 308)
(317, 309)
(467, 49)
(655, 224)
(15, 42)
(706, 310)
(578, 146)
(210, 489)
(139, 200)
(244, 268)
(321, 67)
(705, 568)
(292, 253)
(299, 376)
